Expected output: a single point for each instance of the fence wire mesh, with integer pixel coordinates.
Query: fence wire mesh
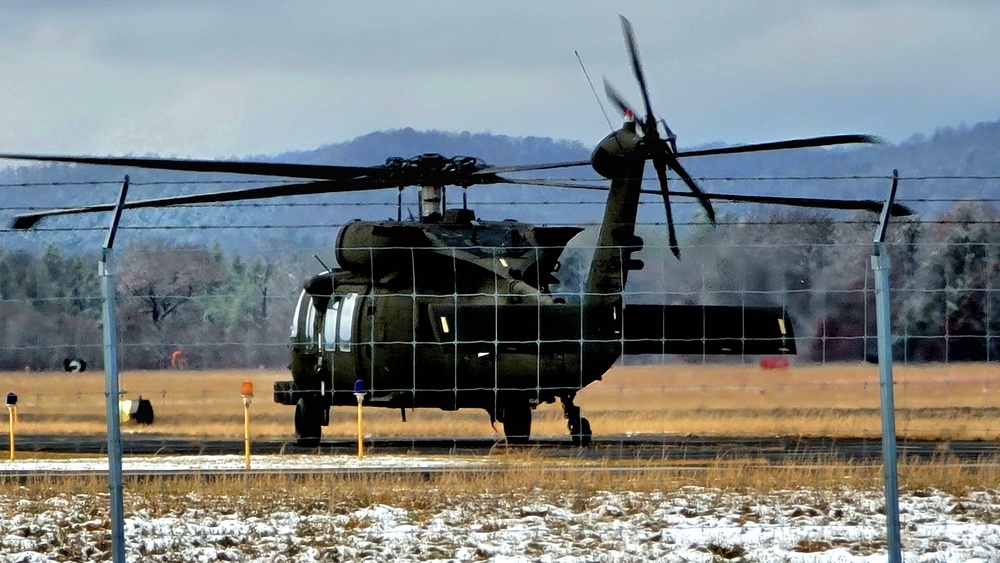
(197, 319)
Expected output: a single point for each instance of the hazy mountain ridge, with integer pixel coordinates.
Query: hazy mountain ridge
(959, 151)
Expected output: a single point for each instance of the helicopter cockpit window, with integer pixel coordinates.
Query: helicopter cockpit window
(298, 313)
(347, 321)
(303, 322)
(339, 322)
(309, 329)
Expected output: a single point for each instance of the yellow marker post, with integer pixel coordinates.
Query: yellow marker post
(246, 390)
(11, 419)
(359, 393)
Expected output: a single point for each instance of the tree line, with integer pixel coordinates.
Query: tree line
(944, 278)
(178, 304)
(202, 307)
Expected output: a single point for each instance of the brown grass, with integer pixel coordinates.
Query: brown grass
(523, 476)
(955, 402)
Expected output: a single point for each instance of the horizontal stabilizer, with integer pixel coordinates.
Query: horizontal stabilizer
(707, 329)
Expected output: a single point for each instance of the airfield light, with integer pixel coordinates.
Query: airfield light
(359, 393)
(246, 390)
(11, 419)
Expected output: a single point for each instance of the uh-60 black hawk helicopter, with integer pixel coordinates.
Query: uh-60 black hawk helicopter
(452, 312)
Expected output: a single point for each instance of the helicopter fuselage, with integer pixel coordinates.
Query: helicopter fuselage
(421, 325)
(455, 313)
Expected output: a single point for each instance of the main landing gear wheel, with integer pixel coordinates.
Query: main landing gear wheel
(516, 421)
(579, 427)
(308, 422)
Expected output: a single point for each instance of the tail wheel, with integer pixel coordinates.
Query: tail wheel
(308, 422)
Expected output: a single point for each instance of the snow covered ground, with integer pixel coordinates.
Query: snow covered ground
(235, 463)
(687, 524)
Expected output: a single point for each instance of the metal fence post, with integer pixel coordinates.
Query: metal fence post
(106, 273)
(880, 265)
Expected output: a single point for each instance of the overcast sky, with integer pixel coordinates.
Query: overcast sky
(207, 79)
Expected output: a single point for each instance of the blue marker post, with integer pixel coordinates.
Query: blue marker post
(359, 393)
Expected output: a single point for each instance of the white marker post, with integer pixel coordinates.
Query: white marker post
(359, 393)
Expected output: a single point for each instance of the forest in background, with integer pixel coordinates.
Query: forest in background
(219, 282)
(221, 309)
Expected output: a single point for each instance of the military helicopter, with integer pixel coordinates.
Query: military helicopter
(453, 312)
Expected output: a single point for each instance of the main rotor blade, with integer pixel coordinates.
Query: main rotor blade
(640, 77)
(28, 220)
(897, 210)
(530, 167)
(550, 183)
(661, 174)
(287, 170)
(675, 165)
(789, 144)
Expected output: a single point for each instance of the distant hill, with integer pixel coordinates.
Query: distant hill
(962, 151)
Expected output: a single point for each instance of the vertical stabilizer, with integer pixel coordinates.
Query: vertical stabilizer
(617, 158)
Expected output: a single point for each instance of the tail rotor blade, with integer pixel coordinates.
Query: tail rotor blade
(624, 108)
(640, 77)
(675, 165)
(661, 174)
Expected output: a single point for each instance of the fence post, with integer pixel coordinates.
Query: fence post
(106, 273)
(880, 264)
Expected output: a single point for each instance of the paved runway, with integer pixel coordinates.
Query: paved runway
(663, 448)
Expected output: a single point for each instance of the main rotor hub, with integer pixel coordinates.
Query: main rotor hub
(432, 169)
(432, 172)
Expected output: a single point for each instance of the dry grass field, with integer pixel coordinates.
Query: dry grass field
(958, 401)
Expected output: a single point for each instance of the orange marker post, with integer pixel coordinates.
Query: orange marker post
(246, 390)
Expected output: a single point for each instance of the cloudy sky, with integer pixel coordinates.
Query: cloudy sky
(205, 79)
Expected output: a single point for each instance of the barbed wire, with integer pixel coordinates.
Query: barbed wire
(548, 224)
(821, 217)
(581, 179)
(768, 222)
(650, 200)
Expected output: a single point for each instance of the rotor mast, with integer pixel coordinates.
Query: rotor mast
(432, 201)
